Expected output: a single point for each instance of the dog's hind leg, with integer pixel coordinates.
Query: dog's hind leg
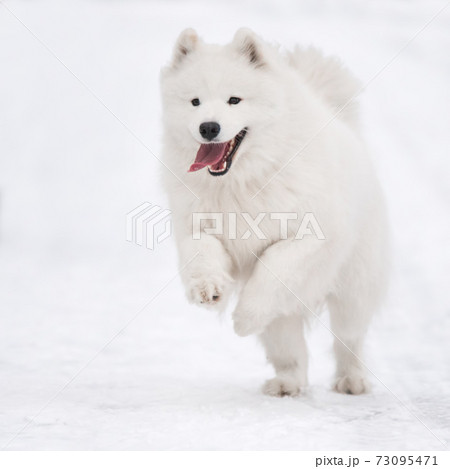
(286, 350)
(349, 325)
(359, 294)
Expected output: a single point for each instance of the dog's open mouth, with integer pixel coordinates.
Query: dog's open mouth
(217, 156)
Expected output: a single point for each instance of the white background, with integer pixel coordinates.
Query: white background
(177, 377)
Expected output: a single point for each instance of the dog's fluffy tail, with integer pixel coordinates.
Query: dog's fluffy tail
(330, 79)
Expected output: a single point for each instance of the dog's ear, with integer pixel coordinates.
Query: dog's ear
(249, 44)
(186, 43)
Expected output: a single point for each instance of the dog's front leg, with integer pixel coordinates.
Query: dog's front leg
(288, 278)
(207, 274)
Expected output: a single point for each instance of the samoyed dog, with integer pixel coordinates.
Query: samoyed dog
(274, 199)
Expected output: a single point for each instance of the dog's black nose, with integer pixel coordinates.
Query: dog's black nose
(209, 130)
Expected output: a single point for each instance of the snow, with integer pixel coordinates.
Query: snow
(88, 360)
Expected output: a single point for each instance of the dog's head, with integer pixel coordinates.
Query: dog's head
(217, 99)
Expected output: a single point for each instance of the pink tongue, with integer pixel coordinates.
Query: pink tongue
(208, 154)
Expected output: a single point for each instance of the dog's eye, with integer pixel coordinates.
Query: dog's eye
(234, 100)
(195, 102)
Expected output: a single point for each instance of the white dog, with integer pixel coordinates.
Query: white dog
(258, 141)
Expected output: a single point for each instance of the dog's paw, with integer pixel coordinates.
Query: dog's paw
(282, 386)
(208, 290)
(351, 385)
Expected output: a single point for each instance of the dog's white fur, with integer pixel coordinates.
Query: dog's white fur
(289, 102)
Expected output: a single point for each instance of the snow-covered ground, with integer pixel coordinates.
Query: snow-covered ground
(98, 347)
